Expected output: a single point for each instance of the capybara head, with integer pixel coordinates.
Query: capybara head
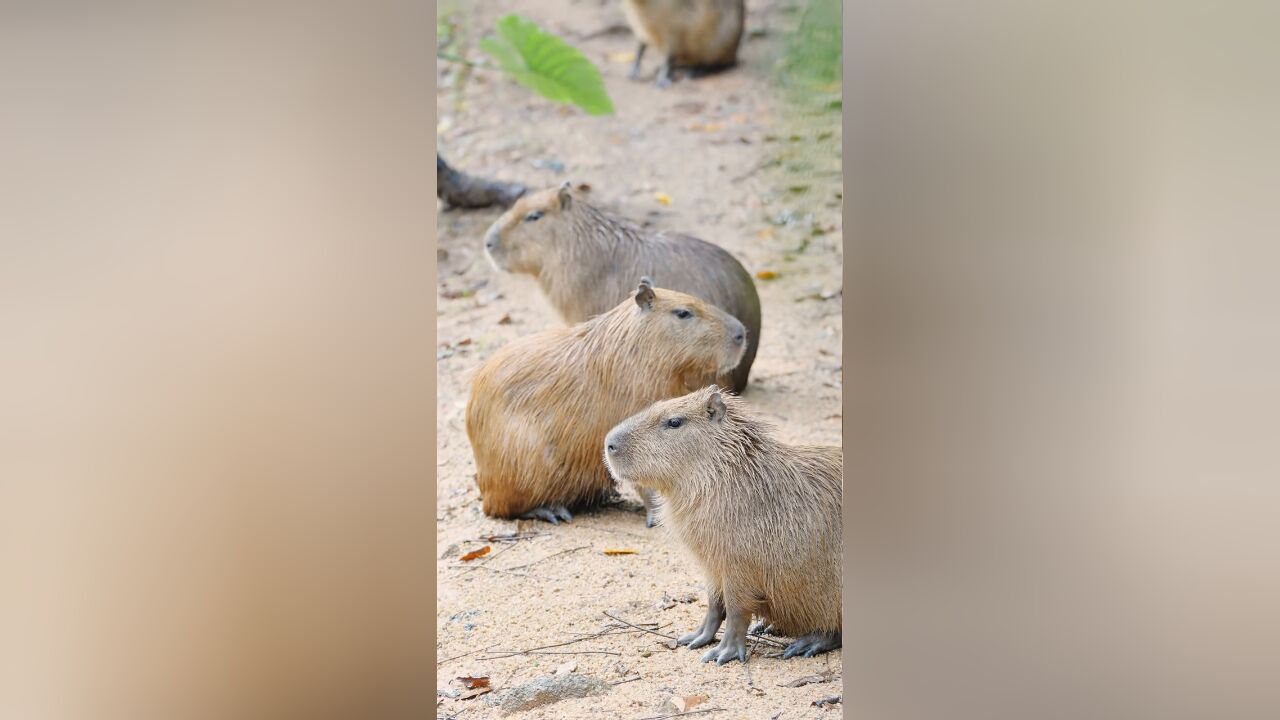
(526, 234)
(686, 330)
(673, 441)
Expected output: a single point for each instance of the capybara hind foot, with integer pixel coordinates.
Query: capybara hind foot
(551, 513)
(813, 644)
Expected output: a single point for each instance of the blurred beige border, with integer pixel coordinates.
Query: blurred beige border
(216, 360)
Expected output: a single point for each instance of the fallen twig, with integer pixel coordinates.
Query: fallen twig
(682, 714)
(547, 647)
(455, 657)
(508, 572)
(509, 537)
(548, 557)
(633, 678)
(544, 652)
(637, 627)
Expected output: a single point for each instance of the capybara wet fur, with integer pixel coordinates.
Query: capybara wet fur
(541, 405)
(761, 517)
(702, 35)
(586, 260)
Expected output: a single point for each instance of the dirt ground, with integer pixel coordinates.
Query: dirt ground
(739, 169)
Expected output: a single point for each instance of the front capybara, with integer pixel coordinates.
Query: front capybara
(541, 405)
(761, 517)
(698, 34)
(586, 260)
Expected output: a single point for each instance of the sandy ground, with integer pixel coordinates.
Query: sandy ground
(719, 148)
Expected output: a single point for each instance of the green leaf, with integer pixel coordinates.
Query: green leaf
(547, 65)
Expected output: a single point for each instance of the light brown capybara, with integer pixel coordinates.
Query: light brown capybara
(702, 35)
(586, 260)
(761, 517)
(541, 405)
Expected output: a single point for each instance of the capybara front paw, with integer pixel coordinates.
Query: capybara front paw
(727, 650)
(650, 519)
(762, 628)
(551, 513)
(696, 639)
(812, 644)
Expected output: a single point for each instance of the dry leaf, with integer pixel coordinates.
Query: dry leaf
(471, 683)
(685, 703)
(662, 198)
(622, 57)
(567, 668)
(475, 693)
(620, 551)
(505, 319)
(767, 275)
(476, 553)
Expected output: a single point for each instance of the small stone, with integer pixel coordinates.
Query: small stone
(547, 690)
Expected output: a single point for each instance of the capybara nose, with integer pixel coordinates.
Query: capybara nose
(611, 447)
(491, 241)
(740, 338)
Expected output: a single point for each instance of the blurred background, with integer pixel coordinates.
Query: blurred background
(216, 323)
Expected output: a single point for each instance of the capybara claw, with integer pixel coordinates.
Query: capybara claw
(762, 628)
(550, 513)
(812, 644)
(722, 654)
(695, 640)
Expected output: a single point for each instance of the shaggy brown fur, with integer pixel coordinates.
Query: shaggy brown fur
(540, 407)
(586, 260)
(701, 34)
(761, 517)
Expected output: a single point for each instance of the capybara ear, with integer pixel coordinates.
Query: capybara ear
(566, 198)
(646, 280)
(644, 295)
(715, 405)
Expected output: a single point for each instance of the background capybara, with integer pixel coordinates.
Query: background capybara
(586, 261)
(761, 517)
(702, 35)
(540, 407)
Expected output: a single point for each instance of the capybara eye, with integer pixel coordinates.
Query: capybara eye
(675, 422)
(533, 216)
(682, 314)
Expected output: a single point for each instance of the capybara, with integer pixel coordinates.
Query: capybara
(761, 517)
(702, 35)
(541, 405)
(586, 260)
